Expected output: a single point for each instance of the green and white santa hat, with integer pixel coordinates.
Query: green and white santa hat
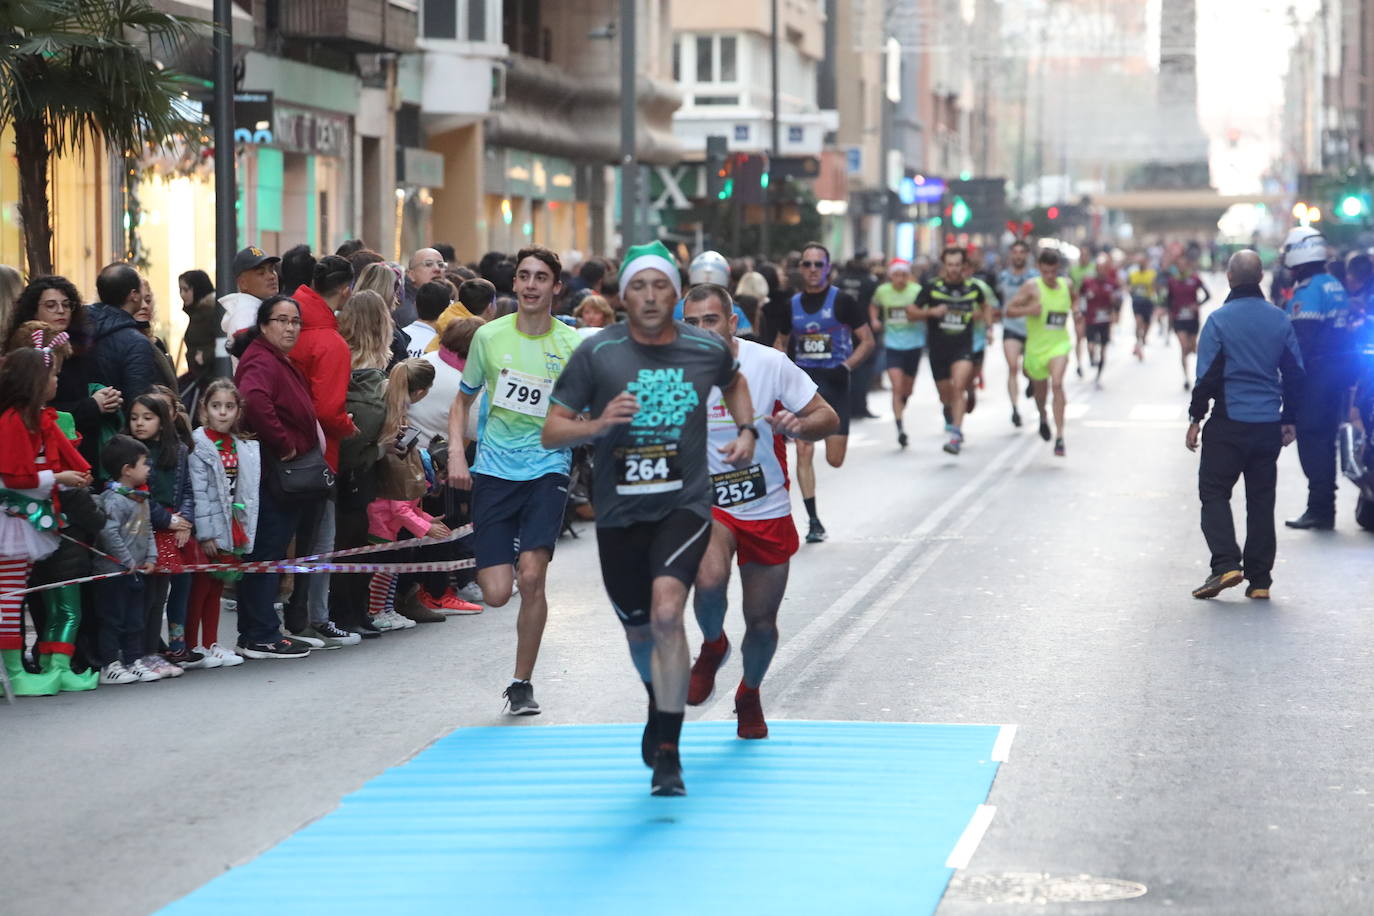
(653, 256)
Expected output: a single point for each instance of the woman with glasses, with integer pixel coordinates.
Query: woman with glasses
(278, 409)
(55, 301)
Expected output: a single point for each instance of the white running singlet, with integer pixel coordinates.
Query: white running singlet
(757, 491)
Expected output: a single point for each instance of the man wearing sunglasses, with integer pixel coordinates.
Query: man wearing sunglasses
(827, 334)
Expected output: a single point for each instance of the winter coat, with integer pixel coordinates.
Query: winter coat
(74, 397)
(323, 357)
(128, 532)
(174, 492)
(277, 405)
(202, 328)
(167, 373)
(124, 356)
(213, 499)
(358, 454)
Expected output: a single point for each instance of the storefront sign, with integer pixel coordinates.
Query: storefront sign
(253, 118)
(301, 131)
(522, 174)
(419, 167)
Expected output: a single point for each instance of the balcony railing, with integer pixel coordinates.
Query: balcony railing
(358, 25)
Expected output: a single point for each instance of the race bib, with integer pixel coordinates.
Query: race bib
(643, 470)
(814, 347)
(896, 317)
(1101, 317)
(735, 488)
(953, 322)
(1057, 320)
(1186, 314)
(522, 393)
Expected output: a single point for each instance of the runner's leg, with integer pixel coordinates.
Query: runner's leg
(835, 449)
(1058, 365)
(960, 374)
(709, 599)
(534, 609)
(1013, 350)
(764, 587)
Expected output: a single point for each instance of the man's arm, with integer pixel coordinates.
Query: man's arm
(864, 346)
(1025, 302)
(459, 475)
(564, 428)
(1206, 293)
(924, 310)
(741, 406)
(813, 423)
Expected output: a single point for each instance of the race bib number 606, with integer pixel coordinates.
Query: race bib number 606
(522, 393)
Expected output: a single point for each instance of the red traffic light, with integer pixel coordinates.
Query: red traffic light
(1052, 213)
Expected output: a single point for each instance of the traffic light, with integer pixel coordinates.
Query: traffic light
(959, 213)
(750, 177)
(1353, 206)
(717, 167)
(1052, 213)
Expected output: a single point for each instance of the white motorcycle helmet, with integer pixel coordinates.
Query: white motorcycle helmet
(709, 267)
(1304, 245)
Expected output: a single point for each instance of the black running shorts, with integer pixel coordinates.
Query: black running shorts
(909, 361)
(634, 556)
(833, 386)
(1099, 333)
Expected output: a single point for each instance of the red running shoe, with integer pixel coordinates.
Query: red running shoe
(749, 710)
(703, 682)
(452, 604)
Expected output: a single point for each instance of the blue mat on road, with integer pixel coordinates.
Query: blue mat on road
(823, 817)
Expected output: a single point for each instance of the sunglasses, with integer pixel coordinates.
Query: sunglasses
(812, 265)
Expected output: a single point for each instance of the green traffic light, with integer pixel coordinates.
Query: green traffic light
(727, 189)
(1352, 206)
(763, 180)
(959, 213)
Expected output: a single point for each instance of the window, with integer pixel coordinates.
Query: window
(717, 58)
(440, 19)
(477, 20)
(716, 100)
(677, 62)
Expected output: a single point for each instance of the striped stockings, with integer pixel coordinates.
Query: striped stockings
(14, 575)
(381, 594)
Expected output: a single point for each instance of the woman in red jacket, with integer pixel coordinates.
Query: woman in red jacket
(278, 409)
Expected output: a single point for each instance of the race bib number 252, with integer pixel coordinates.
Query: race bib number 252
(735, 488)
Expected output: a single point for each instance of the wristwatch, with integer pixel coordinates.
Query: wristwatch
(748, 429)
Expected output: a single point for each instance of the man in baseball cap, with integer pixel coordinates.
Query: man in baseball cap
(255, 272)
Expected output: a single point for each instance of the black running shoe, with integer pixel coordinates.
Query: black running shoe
(902, 439)
(1045, 429)
(667, 772)
(816, 533)
(520, 699)
(1016, 418)
(1059, 448)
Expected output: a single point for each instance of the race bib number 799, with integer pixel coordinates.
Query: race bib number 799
(522, 393)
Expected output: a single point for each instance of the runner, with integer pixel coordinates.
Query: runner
(1100, 296)
(1012, 278)
(1079, 272)
(1142, 280)
(1047, 302)
(1187, 294)
(954, 305)
(646, 383)
(519, 487)
(981, 330)
(712, 267)
(753, 510)
(905, 338)
(827, 334)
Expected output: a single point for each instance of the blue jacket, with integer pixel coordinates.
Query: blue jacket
(1248, 362)
(1321, 314)
(124, 357)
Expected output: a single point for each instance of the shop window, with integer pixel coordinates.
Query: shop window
(270, 185)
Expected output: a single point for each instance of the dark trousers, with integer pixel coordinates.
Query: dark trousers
(120, 606)
(348, 591)
(1319, 419)
(1230, 450)
(296, 614)
(257, 592)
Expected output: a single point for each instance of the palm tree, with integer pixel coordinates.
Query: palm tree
(75, 72)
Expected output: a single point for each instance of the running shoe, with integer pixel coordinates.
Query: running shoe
(207, 659)
(703, 680)
(1218, 582)
(1045, 429)
(284, 647)
(1059, 448)
(143, 672)
(185, 658)
(667, 772)
(316, 640)
(1259, 593)
(952, 446)
(902, 439)
(423, 609)
(1016, 418)
(816, 533)
(390, 620)
(339, 635)
(366, 629)
(520, 699)
(471, 592)
(749, 713)
(163, 667)
(116, 673)
(227, 657)
(453, 603)
(404, 622)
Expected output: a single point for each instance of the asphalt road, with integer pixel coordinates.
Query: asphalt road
(1217, 753)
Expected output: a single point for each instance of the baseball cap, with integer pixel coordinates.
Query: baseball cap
(252, 257)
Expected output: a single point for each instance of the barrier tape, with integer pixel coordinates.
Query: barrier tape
(304, 565)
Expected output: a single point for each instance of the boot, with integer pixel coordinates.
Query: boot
(25, 684)
(67, 679)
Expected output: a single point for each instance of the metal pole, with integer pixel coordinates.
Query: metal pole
(765, 232)
(226, 192)
(629, 168)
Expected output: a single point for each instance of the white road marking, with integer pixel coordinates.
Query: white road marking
(1075, 410)
(963, 850)
(1001, 748)
(1156, 412)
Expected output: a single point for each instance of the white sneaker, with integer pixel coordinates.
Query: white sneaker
(470, 592)
(160, 666)
(207, 660)
(143, 672)
(229, 604)
(227, 657)
(116, 673)
(387, 621)
(313, 642)
(403, 622)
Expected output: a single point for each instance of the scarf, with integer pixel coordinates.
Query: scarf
(452, 359)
